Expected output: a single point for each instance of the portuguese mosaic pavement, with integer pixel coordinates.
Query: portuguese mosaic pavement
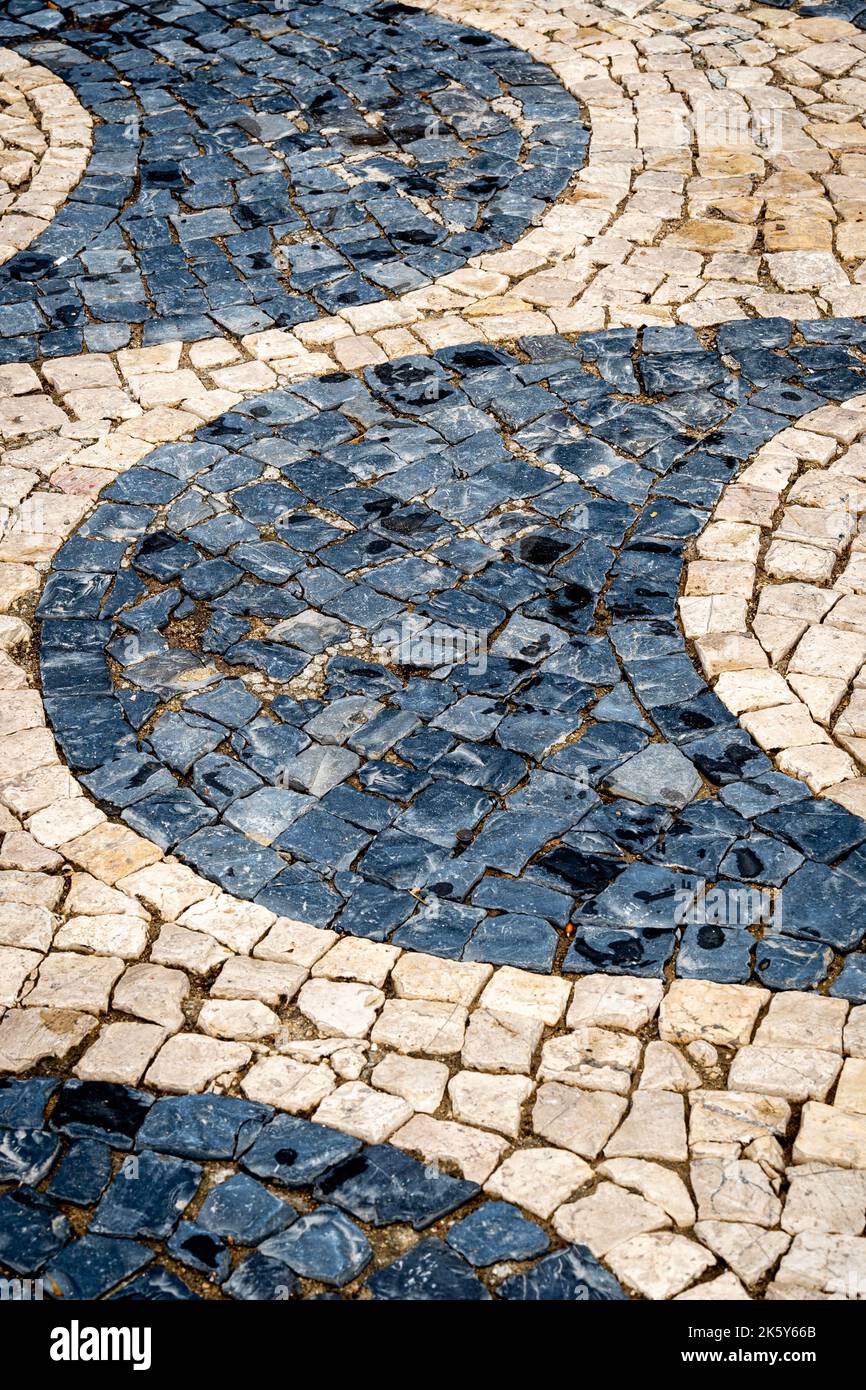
(433, 589)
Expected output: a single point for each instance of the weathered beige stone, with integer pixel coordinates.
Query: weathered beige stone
(656, 1184)
(368, 1114)
(855, 1031)
(512, 991)
(88, 897)
(593, 1058)
(655, 1127)
(238, 925)
(499, 1042)
(70, 981)
(724, 1289)
(539, 1180)
(28, 1036)
(339, 1007)
(851, 1090)
(490, 1102)
(294, 943)
(297, 1087)
(107, 935)
(659, 1264)
(191, 950)
(269, 981)
(354, 958)
(111, 852)
(121, 1053)
(666, 1069)
(582, 1121)
(614, 1001)
(819, 1265)
(168, 889)
(242, 1020)
(825, 1199)
(192, 1062)
(735, 1119)
(797, 1073)
(830, 1135)
(16, 967)
(607, 1217)
(419, 976)
(751, 1251)
(720, 1014)
(797, 1019)
(421, 1025)
(730, 1189)
(419, 1081)
(154, 993)
(473, 1151)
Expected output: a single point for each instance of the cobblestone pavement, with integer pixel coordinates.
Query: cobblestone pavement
(433, 627)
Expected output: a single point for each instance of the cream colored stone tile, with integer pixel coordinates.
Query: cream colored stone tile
(419, 1081)
(241, 1020)
(191, 1062)
(796, 1073)
(341, 1008)
(490, 1102)
(538, 1180)
(474, 1152)
(607, 1217)
(659, 1264)
(499, 1042)
(29, 1036)
(749, 1250)
(581, 1121)
(70, 981)
(271, 982)
(730, 1189)
(121, 1053)
(512, 991)
(720, 1014)
(831, 1135)
(592, 1058)
(851, 1090)
(796, 1018)
(420, 976)
(354, 958)
(297, 1087)
(363, 1112)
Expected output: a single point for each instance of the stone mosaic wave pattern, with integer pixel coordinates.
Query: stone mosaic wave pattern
(257, 168)
(553, 810)
(134, 1168)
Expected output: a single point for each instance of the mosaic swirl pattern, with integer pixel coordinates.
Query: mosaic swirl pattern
(415, 919)
(274, 167)
(545, 807)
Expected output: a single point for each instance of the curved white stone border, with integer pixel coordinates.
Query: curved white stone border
(45, 141)
(773, 600)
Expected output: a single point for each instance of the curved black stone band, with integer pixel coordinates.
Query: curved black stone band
(284, 1208)
(215, 199)
(563, 780)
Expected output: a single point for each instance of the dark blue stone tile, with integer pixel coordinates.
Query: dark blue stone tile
(94, 1265)
(428, 1272)
(382, 1185)
(100, 1110)
(204, 1127)
(147, 1196)
(496, 1231)
(566, 1276)
(323, 1245)
(32, 1230)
